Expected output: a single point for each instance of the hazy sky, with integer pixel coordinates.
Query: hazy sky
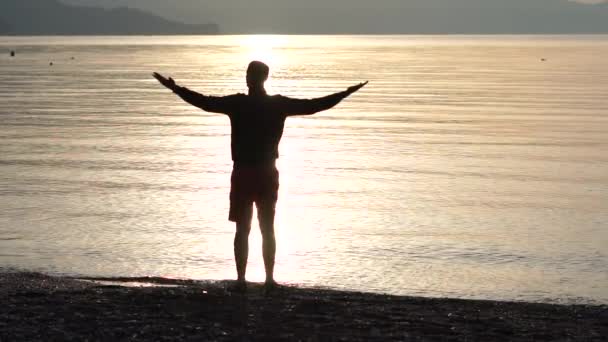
(382, 16)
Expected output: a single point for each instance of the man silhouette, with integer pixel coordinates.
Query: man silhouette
(257, 121)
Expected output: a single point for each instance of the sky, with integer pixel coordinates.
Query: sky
(382, 16)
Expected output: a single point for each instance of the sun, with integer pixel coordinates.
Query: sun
(264, 48)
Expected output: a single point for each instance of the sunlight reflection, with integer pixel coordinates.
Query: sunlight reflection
(264, 48)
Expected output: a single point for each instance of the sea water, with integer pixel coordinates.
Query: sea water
(469, 167)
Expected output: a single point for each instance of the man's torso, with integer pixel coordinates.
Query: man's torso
(257, 127)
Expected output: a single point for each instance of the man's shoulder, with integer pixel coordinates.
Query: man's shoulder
(236, 99)
(237, 96)
(278, 97)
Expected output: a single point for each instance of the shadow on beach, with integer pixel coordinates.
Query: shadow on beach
(40, 307)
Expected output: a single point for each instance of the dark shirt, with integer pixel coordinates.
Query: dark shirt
(257, 121)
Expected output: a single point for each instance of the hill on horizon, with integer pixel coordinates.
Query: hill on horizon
(52, 17)
(120, 17)
(382, 16)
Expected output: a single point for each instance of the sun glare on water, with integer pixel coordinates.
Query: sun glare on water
(264, 48)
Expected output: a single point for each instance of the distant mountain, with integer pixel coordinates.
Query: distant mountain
(382, 16)
(51, 17)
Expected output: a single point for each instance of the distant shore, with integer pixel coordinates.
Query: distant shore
(40, 307)
(345, 34)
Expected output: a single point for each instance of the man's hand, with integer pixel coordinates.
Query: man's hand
(167, 82)
(354, 88)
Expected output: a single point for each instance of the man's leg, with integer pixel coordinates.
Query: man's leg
(269, 247)
(241, 243)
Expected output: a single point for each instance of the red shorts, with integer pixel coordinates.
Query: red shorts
(253, 184)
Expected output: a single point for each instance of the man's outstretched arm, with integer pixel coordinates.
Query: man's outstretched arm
(207, 103)
(312, 106)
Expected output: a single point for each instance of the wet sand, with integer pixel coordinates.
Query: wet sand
(39, 307)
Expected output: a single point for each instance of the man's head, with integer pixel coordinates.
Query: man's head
(257, 74)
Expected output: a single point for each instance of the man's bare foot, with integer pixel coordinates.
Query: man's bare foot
(270, 286)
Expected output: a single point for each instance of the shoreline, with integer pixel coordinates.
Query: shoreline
(41, 307)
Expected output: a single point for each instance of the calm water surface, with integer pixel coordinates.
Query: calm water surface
(467, 168)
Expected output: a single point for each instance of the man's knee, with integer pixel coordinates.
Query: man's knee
(267, 230)
(266, 211)
(243, 228)
(266, 220)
